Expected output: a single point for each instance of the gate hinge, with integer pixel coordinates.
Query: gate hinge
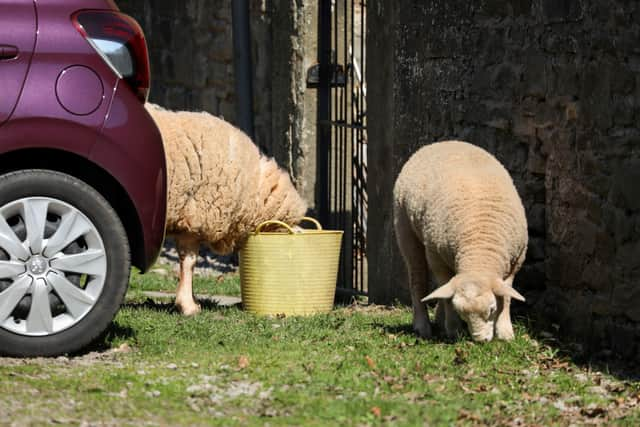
(338, 76)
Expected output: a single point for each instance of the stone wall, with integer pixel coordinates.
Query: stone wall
(191, 52)
(552, 88)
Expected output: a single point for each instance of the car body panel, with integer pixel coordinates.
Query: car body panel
(132, 155)
(119, 136)
(58, 47)
(18, 33)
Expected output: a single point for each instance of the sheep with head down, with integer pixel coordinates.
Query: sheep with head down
(458, 216)
(220, 188)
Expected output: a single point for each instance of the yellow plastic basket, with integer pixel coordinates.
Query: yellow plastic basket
(290, 272)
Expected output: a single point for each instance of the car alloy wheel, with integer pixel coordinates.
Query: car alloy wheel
(52, 266)
(64, 263)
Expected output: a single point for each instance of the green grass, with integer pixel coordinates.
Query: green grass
(228, 284)
(355, 366)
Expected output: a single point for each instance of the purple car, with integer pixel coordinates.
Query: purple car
(82, 171)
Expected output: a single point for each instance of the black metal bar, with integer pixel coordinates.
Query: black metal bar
(342, 136)
(242, 65)
(324, 111)
(341, 124)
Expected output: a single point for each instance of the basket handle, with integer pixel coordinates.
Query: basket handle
(274, 222)
(313, 220)
(287, 226)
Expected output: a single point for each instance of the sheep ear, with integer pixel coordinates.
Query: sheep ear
(504, 290)
(443, 292)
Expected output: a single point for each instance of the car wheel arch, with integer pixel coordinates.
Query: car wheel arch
(93, 175)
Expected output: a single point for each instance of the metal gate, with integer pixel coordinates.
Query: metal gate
(342, 142)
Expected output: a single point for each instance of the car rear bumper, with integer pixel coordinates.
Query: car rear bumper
(130, 148)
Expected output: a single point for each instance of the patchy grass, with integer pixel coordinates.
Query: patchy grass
(355, 366)
(227, 284)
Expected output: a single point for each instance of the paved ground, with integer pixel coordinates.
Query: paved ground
(220, 300)
(208, 263)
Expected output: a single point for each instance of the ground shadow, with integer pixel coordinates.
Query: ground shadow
(578, 353)
(206, 304)
(438, 336)
(206, 259)
(104, 342)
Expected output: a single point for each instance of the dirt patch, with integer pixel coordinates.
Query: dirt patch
(109, 356)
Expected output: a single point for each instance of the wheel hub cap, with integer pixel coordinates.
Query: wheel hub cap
(46, 287)
(37, 265)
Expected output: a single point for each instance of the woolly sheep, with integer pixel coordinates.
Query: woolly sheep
(458, 215)
(219, 189)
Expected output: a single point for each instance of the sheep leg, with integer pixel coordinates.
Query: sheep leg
(446, 317)
(442, 275)
(188, 252)
(413, 253)
(504, 328)
(453, 324)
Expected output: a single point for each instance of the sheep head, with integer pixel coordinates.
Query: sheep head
(279, 198)
(474, 299)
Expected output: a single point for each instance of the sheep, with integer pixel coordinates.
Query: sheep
(458, 215)
(220, 188)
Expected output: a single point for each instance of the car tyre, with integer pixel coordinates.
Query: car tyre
(76, 259)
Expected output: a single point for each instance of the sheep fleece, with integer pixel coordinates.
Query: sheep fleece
(463, 205)
(220, 187)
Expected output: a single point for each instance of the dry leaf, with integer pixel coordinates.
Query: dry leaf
(370, 362)
(122, 348)
(593, 411)
(376, 411)
(243, 362)
(461, 357)
(467, 415)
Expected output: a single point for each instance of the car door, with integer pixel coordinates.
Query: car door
(17, 42)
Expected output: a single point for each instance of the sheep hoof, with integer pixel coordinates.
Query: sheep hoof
(188, 309)
(423, 330)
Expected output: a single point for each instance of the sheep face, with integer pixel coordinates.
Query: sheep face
(476, 304)
(474, 298)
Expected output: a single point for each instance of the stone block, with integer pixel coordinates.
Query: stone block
(536, 249)
(210, 101)
(597, 276)
(565, 77)
(623, 339)
(504, 81)
(535, 189)
(481, 80)
(624, 110)
(557, 42)
(221, 48)
(627, 264)
(601, 305)
(176, 98)
(618, 224)
(492, 45)
(562, 10)
(623, 79)
(531, 276)
(536, 219)
(625, 191)
(523, 126)
(536, 162)
(534, 74)
(521, 7)
(227, 110)
(495, 8)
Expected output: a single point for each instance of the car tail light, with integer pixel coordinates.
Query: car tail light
(119, 40)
